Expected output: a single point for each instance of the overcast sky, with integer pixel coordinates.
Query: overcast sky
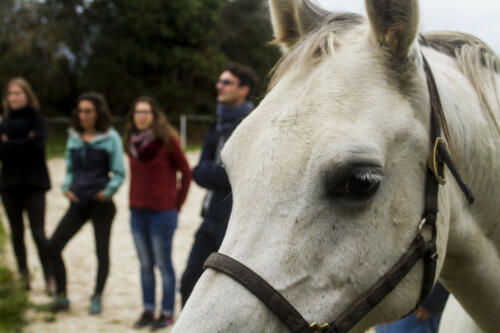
(478, 17)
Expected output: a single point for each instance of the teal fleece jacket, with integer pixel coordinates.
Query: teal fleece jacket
(89, 165)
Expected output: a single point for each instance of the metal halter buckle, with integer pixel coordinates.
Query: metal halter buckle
(422, 225)
(319, 328)
(433, 162)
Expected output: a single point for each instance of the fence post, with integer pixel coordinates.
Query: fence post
(183, 128)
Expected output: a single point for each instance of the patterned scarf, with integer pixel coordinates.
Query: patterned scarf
(143, 145)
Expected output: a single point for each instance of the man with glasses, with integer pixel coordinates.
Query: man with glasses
(235, 84)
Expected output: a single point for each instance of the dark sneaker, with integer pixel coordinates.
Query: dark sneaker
(147, 318)
(95, 305)
(162, 322)
(60, 303)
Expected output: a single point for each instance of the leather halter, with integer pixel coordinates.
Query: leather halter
(420, 247)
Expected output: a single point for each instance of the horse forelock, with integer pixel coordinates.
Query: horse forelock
(317, 44)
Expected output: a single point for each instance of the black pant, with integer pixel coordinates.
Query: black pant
(33, 202)
(101, 214)
(207, 239)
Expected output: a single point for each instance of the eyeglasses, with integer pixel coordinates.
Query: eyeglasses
(226, 82)
(144, 112)
(86, 111)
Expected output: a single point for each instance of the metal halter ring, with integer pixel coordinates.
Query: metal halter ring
(319, 328)
(433, 162)
(422, 225)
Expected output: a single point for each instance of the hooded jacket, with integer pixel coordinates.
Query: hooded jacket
(89, 165)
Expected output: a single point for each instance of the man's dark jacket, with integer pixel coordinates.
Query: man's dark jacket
(210, 174)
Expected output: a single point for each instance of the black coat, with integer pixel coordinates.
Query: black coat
(23, 154)
(210, 173)
(212, 176)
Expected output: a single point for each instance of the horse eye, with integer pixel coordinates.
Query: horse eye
(363, 184)
(357, 183)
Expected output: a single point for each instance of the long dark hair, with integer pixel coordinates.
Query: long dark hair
(104, 118)
(162, 129)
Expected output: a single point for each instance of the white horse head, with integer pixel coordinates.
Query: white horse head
(328, 173)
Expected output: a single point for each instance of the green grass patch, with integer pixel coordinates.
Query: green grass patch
(56, 140)
(13, 300)
(190, 148)
(56, 148)
(3, 240)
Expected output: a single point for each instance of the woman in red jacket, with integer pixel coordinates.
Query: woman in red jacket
(155, 199)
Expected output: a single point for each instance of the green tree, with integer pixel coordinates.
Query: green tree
(167, 49)
(172, 50)
(34, 44)
(246, 33)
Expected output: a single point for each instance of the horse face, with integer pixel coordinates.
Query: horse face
(328, 179)
(327, 173)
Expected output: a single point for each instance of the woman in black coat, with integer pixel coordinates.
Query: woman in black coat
(24, 178)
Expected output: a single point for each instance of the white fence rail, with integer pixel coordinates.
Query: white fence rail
(183, 121)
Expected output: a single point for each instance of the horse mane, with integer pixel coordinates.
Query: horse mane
(473, 56)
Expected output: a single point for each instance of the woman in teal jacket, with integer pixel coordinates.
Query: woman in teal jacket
(93, 152)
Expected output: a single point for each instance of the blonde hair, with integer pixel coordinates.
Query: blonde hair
(28, 91)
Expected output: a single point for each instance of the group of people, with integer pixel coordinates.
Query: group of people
(94, 172)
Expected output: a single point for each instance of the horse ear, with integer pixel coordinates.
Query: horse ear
(394, 25)
(293, 19)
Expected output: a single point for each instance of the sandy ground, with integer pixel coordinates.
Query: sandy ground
(122, 298)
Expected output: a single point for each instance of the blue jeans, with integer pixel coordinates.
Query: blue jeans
(410, 324)
(153, 233)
